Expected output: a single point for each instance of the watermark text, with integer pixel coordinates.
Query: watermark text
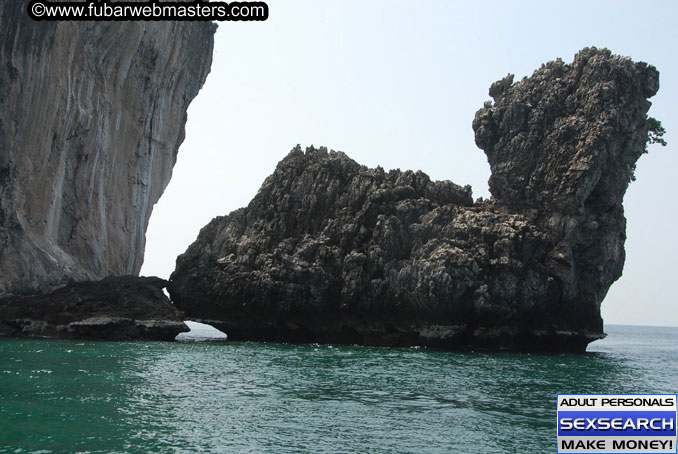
(151, 10)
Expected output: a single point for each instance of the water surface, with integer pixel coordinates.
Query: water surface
(189, 397)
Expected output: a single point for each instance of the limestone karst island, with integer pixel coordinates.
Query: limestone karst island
(328, 251)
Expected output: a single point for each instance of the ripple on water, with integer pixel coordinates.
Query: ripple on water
(63, 396)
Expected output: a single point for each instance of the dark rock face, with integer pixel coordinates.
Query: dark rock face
(92, 117)
(115, 308)
(331, 251)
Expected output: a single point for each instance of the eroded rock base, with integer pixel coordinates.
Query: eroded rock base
(444, 337)
(115, 308)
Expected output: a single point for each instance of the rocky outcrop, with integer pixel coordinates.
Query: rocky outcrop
(331, 251)
(115, 308)
(93, 114)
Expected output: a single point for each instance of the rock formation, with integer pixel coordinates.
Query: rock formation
(115, 308)
(331, 251)
(93, 115)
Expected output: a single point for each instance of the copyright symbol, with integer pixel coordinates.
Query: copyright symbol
(36, 10)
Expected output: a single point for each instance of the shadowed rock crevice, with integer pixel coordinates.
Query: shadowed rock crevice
(331, 251)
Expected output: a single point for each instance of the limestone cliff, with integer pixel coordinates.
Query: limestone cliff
(92, 117)
(331, 251)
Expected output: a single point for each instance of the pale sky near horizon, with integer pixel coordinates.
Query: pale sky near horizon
(396, 83)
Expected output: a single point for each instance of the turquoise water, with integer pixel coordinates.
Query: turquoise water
(144, 397)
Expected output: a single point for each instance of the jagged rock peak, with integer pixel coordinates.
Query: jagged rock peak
(317, 180)
(570, 134)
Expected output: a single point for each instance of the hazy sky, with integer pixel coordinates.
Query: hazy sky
(396, 83)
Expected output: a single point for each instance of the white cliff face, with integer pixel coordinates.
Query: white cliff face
(92, 116)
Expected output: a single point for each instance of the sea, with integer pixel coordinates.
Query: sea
(211, 396)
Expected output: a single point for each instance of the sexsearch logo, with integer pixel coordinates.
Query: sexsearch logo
(608, 423)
